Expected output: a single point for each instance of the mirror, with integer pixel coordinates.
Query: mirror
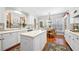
(15, 20)
(22, 22)
(9, 24)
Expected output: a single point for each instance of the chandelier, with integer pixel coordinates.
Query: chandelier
(49, 18)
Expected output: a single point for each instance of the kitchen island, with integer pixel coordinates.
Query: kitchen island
(33, 40)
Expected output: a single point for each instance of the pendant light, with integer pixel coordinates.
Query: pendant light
(49, 18)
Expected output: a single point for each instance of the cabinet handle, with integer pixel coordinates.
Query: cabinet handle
(73, 39)
(2, 39)
(69, 36)
(77, 38)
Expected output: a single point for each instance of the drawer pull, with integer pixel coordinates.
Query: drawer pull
(2, 39)
(69, 36)
(77, 38)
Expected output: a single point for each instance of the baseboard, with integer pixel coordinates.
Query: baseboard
(69, 46)
(8, 49)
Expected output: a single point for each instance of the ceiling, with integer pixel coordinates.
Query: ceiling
(39, 11)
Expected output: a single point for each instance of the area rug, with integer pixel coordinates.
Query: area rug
(56, 47)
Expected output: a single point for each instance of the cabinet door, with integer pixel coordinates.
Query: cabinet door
(40, 41)
(6, 41)
(72, 42)
(0, 45)
(18, 36)
(14, 38)
(66, 36)
(43, 40)
(36, 43)
(0, 41)
(10, 39)
(76, 43)
(69, 39)
(26, 43)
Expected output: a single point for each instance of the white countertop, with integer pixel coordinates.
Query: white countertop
(33, 33)
(11, 30)
(76, 33)
(8, 31)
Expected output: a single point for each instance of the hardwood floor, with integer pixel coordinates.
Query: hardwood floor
(14, 48)
(59, 39)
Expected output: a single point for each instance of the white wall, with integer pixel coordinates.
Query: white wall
(2, 13)
(2, 17)
(31, 19)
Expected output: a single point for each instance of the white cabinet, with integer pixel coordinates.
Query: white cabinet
(26, 43)
(73, 40)
(69, 37)
(9, 39)
(76, 40)
(0, 42)
(43, 41)
(35, 43)
(1, 39)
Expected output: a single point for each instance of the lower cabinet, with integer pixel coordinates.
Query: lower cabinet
(0, 44)
(26, 43)
(43, 41)
(9, 40)
(72, 40)
(36, 43)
